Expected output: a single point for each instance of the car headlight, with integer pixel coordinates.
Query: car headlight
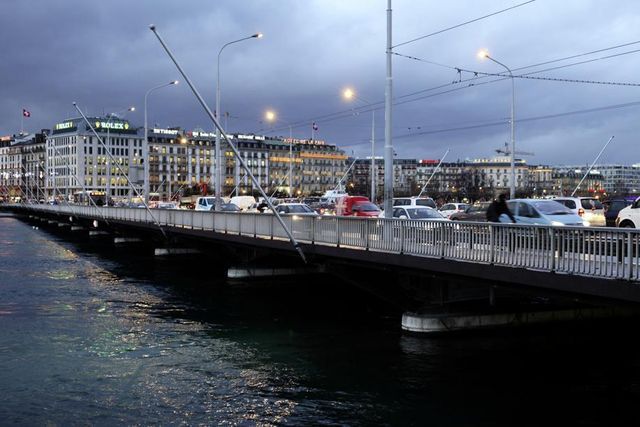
(586, 223)
(556, 223)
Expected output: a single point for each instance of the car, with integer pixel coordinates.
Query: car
(629, 217)
(612, 207)
(476, 212)
(228, 207)
(589, 208)
(205, 203)
(420, 213)
(542, 212)
(167, 205)
(298, 209)
(449, 209)
(414, 201)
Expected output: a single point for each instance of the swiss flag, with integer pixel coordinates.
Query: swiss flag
(26, 113)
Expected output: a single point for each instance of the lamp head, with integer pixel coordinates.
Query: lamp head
(483, 53)
(270, 116)
(175, 82)
(257, 35)
(348, 93)
(131, 109)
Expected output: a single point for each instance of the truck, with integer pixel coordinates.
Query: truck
(356, 206)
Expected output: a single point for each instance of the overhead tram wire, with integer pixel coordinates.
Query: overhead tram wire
(462, 24)
(480, 75)
(500, 122)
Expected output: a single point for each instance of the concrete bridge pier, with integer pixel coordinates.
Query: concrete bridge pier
(124, 240)
(451, 322)
(260, 272)
(175, 251)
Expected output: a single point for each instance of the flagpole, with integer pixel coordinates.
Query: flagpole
(22, 122)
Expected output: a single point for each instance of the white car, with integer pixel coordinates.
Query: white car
(297, 209)
(420, 213)
(590, 209)
(450, 208)
(414, 201)
(629, 217)
(205, 203)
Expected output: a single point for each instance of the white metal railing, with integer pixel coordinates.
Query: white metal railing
(600, 252)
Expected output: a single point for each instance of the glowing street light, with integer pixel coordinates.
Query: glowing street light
(271, 117)
(350, 94)
(484, 54)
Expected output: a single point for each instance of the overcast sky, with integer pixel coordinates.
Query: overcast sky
(103, 55)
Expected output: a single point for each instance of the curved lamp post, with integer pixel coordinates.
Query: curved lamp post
(272, 118)
(218, 169)
(145, 145)
(350, 94)
(485, 54)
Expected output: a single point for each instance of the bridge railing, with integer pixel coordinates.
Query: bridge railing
(599, 252)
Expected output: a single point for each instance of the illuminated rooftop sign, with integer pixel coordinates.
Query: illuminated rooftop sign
(112, 125)
(62, 126)
(166, 131)
(304, 141)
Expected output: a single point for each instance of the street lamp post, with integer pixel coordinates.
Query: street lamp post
(512, 190)
(217, 159)
(145, 145)
(271, 117)
(349, 94)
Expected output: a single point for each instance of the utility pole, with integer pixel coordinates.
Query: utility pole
(388, 144)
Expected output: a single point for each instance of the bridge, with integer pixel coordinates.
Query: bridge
(600, 263)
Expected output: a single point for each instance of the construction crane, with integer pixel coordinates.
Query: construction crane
(507, 152)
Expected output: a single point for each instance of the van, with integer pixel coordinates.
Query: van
(356, 206)
(414, 202)
(243, 202)
(589, 208)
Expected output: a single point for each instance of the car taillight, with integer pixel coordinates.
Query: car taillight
(580, 211)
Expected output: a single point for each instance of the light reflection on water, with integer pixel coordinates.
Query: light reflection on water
(88, 339)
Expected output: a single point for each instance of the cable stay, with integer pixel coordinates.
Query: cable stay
(223, 133)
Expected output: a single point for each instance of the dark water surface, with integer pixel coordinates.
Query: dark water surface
(91, 335)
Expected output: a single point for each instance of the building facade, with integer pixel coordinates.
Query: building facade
(78, 162)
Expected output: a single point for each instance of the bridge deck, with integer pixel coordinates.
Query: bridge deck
(594, 262)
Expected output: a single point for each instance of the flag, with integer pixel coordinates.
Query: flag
(26, 113)
(314, 126)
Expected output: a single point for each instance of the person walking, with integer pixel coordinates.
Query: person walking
(497, 208)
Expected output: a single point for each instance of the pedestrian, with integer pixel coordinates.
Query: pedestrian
(263, 206)
(497, 208)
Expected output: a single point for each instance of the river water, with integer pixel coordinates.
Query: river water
(94, 335)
